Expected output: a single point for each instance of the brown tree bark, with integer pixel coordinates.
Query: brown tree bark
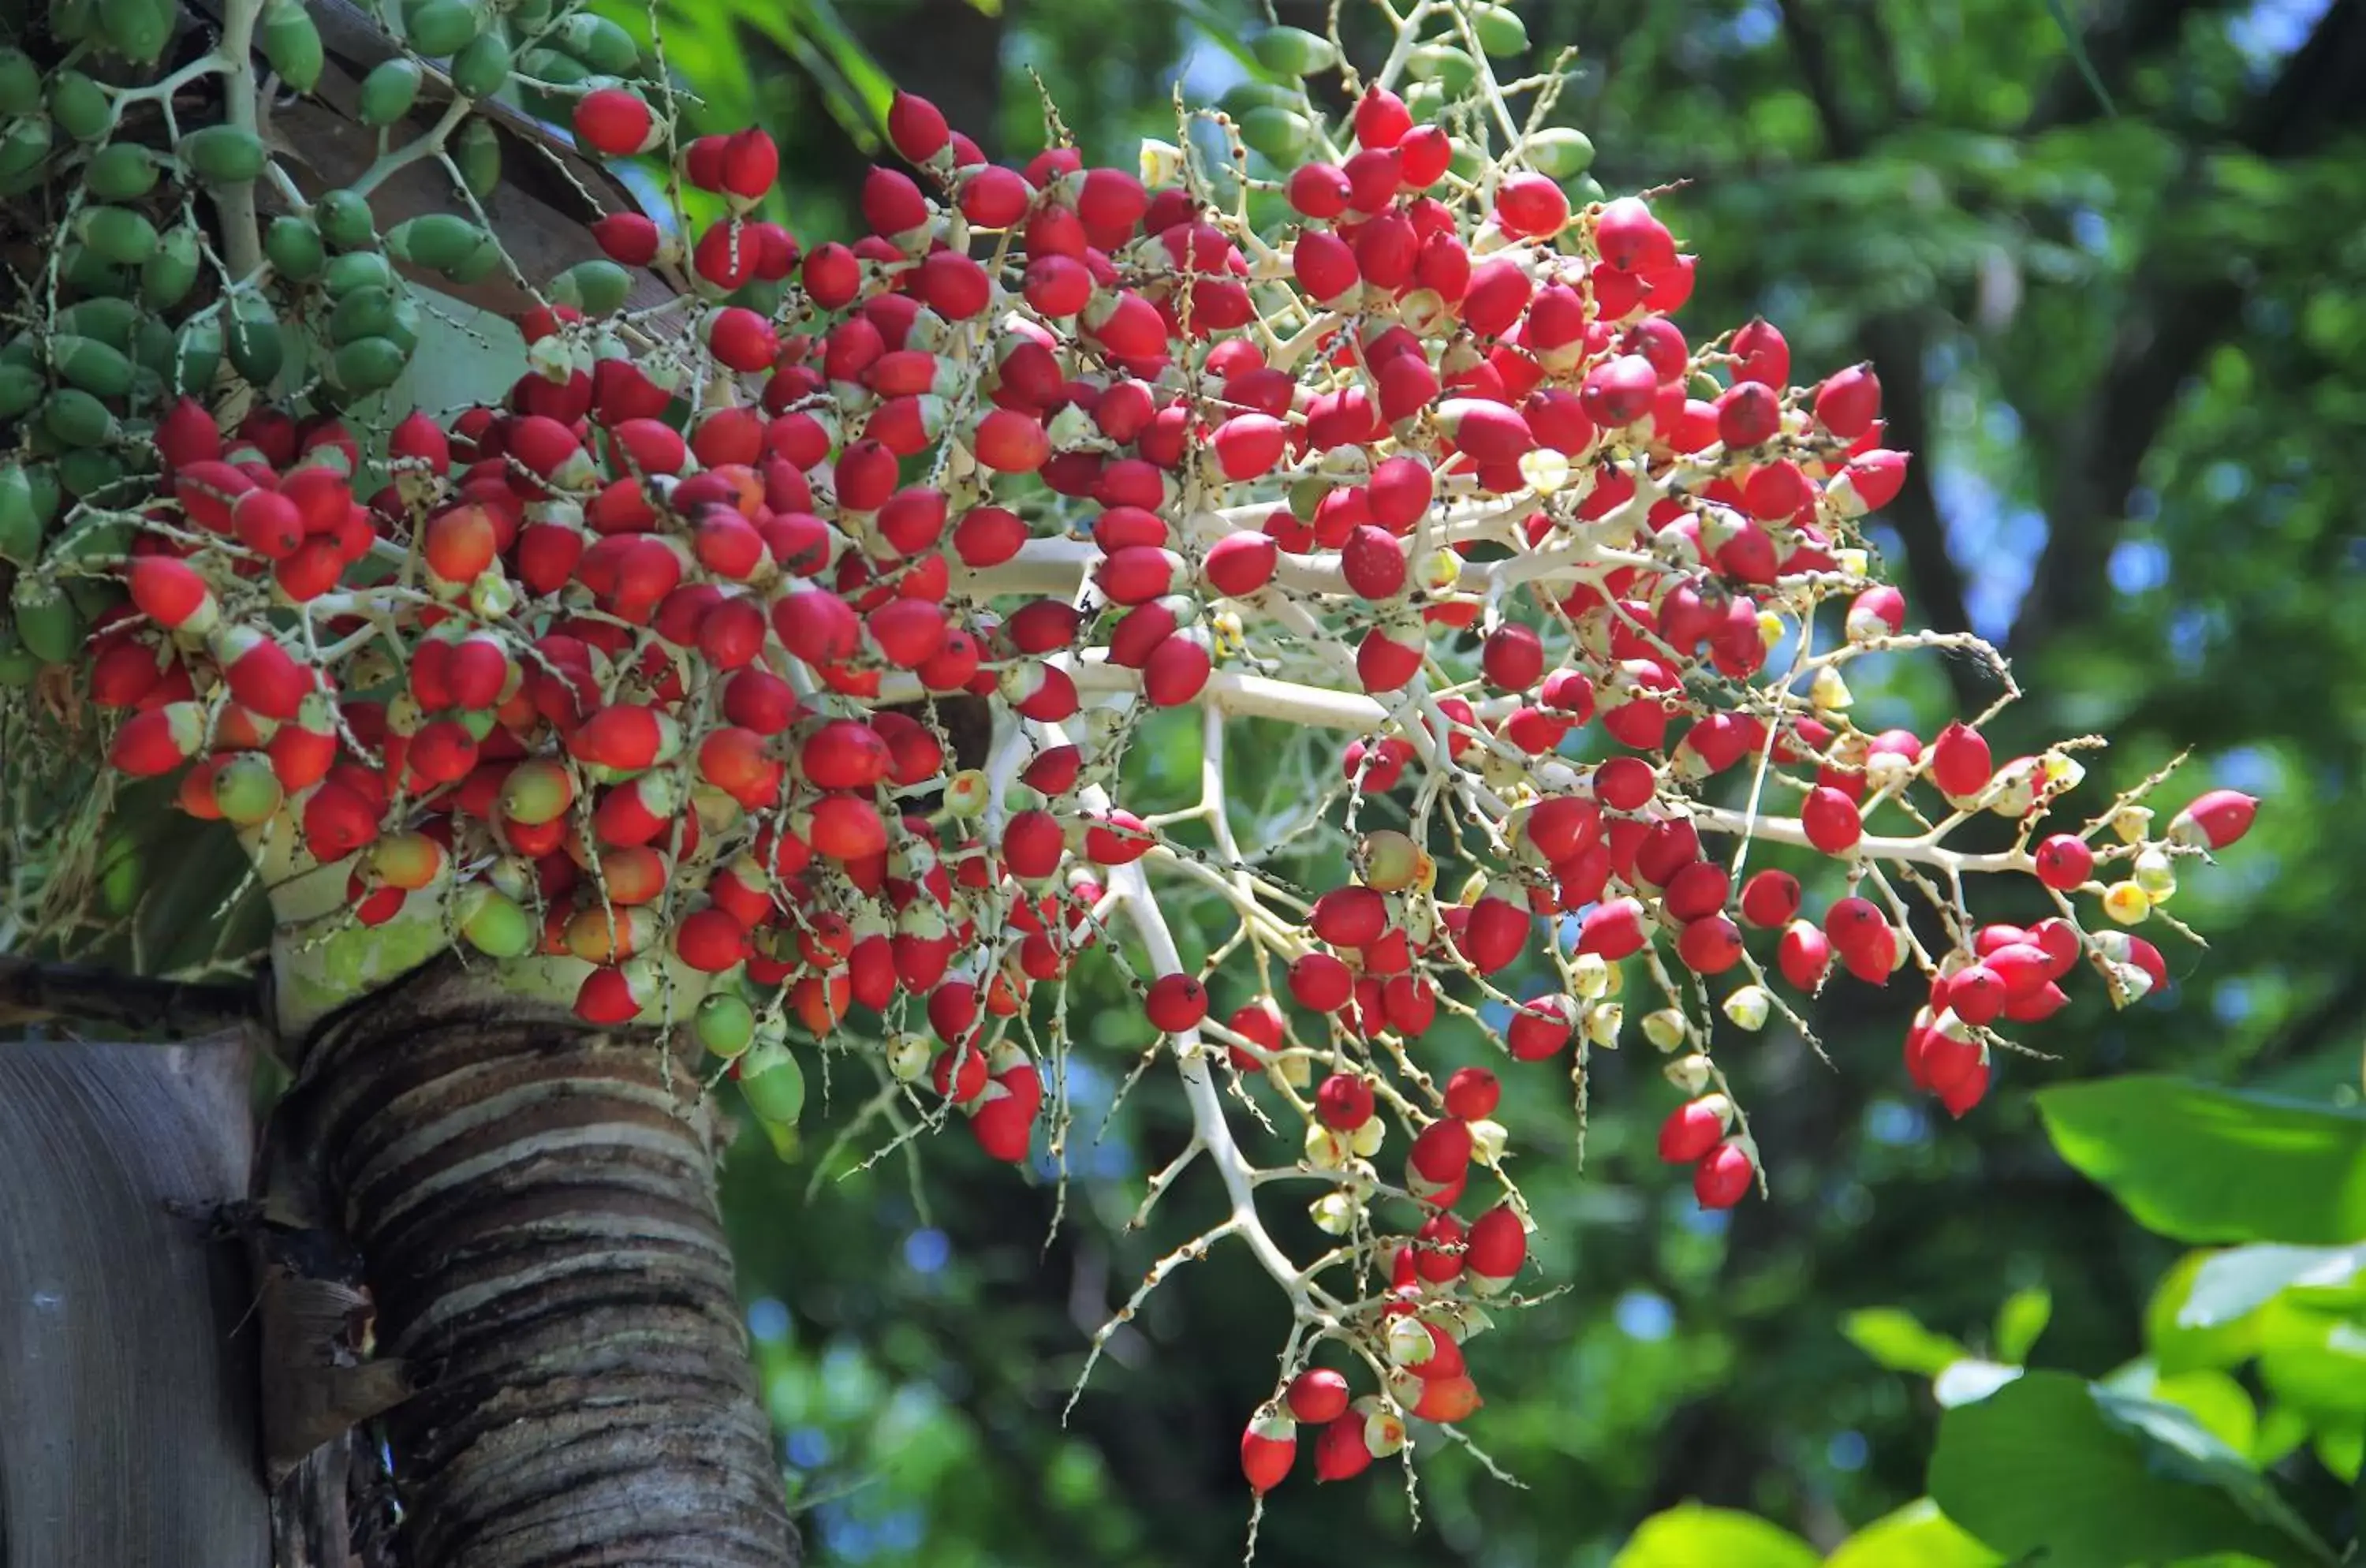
(534, 1199)
(127, 1374)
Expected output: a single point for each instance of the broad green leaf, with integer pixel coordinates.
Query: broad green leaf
(1897, 1339)
(2200, 1164)
(2180, 1347)
(2021, 1320)
(2313, 1361)
(2235, 1281)
(1916, 1536)
(1689, 1535)
(1970, 1379)
(2056, 1467)
(2342, 1450)
(2211, 1397)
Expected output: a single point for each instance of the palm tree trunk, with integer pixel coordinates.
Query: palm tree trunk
(534, 1199)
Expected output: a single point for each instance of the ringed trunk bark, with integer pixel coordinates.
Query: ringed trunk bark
(534, 1201)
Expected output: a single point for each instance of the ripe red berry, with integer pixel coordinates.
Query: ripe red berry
(1344, 1101)
(1472, 1093)
(1381, 119)
(1693, 1128)
(1175, 1003)
(1531, 207)
(916, 127)
(2064, 861)
(1316, 1395)
(1830, 820)
(2214, 821)
(615, 121)
(1723, 1176)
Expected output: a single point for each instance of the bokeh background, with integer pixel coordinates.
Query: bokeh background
(2109, 257)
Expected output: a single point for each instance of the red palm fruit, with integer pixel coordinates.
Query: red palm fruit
(607, 997)
(1033, 843)
(1440, 1153)
(267, 523)
(844, 754)
(1373, 562)
(818, 627)
(1385, 664)
(1615, 930)
(1053, 771)
(1494, 1249)
(1618, 392)
(1830, 820)
(1341, 1449)
(169, 591)
(1693, 1128)
(847, 828)
(1349, 917)
(629, 239)
(1723, 1176)
(1240, 564)
(1260, 1023)
(1749, 413)
(960, 1073)
(1003, 1120)
(627, 736)
(460, 543)
(906, 633)
(1487, 433)
(262, 676)
(337, 820)
(1530, 206)
(1320, 982)
(1325, 266)
(1317, 1396)
(1497, 933)
(1344, 1101)
(1804, 956)
(1512, 658)
(1009, 442)
(1268, 1449)
(892, 205)
(1318, 190)
(711, 941)
(1863, 938)
(158, 741)
(1540, 1027)
(1959, 761)
(1770, 899)
(2064, 861)
(1710, 945)
(916, 127)
(1249, 445)
(1472, 1093)
(1178, 668)
(616, 122)
(1381, 119)
(1848, 401)
(988, 535)
(1040, 692)
(2215, 819)
(1175, 1003)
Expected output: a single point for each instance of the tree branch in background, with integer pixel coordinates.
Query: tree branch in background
(1897, 345)
(69, 994)
(2135, 32)
(2321, 90)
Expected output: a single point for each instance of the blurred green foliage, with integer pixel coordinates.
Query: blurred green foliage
(2121, 340)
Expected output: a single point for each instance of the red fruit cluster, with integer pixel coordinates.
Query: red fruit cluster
(683, 696)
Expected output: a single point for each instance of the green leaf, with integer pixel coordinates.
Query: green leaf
(1916, 1536)
(2180, 1347)
(2232, 1283)
(1689, 1535)
(2211, 1397)
(2056, 1467)
(2021, 1320)
(2200, 1164)
(1897, 1339)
